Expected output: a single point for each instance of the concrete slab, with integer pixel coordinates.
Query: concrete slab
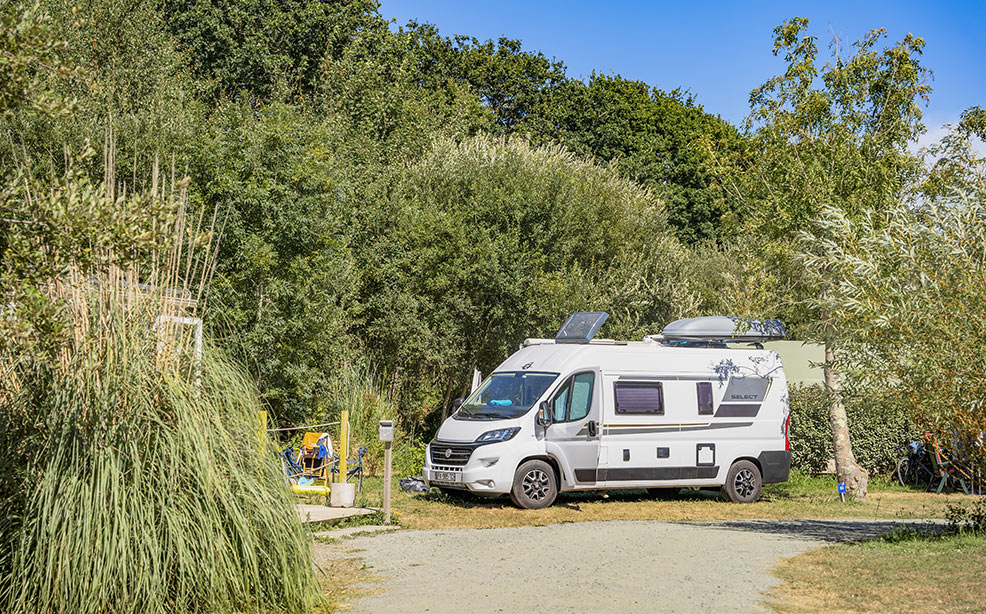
(348, 531)
(323, 514)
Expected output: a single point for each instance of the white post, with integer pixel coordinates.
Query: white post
(387, 437)
(386, 482)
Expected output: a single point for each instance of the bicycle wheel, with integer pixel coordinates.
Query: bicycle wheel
(906, 472)
(924, 477)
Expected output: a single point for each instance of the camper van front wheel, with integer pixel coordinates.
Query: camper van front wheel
(743, 483)
(534, 485)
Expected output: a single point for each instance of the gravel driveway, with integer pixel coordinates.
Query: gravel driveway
(615, 566)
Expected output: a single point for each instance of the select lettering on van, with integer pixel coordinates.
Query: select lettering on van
(743, 397)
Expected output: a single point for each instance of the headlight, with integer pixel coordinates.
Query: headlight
(498, 435)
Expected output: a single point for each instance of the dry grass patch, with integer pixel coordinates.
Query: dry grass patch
(924, 574)
(342, 574)
(802, 497)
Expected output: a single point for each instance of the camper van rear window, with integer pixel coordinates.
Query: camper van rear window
(639, 397)
(704, 390)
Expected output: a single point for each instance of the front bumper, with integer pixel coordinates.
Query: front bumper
(489, 469)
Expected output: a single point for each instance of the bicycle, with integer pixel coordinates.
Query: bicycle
(915, 469)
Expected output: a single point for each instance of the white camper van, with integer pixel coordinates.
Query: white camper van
(701, 405)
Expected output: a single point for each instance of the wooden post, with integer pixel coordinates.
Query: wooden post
(344, 446)
(386, 482)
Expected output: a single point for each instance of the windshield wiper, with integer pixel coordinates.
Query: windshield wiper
(481, 416)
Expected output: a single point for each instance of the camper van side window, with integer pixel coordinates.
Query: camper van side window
(704, 390)
(560, 405)
(573, 399)
(639, 397)
(581, 396)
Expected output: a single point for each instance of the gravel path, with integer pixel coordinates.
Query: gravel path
(616, 566)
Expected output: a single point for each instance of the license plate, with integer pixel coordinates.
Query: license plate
(446, 476)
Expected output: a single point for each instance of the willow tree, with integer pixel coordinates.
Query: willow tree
(833, 136)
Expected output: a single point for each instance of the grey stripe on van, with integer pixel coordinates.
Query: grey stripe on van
(700, 377)
(643, 474)
(738, 410)
(640, 430)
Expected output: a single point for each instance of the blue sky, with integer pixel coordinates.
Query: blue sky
(719, 50)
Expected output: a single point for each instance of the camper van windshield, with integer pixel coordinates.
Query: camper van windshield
(505, 395)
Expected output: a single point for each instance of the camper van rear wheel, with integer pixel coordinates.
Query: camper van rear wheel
(534, 485)
(743, 483)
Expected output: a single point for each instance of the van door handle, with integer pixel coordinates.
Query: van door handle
(592, 427)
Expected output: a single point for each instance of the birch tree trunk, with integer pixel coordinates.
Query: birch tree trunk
(855, 477)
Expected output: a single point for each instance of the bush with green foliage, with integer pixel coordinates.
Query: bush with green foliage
(488, 241)
(878, 427)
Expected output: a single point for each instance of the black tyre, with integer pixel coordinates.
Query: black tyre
(907, 473)
(534, 486)
(743, 483)
(663, 494)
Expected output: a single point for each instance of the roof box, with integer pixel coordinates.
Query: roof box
(724, 329)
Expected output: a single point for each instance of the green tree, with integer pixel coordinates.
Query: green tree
(952, 164)
(509, 81)
(490, 241)
(906, 285)
(30, 52)
(112, 66)
(252, 46)
(283, 291)
(306, 187)
(835, 136)
(655, 137)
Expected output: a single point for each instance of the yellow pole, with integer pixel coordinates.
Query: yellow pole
(344, 445)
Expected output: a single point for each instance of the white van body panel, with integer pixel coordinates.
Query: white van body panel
(679, 448)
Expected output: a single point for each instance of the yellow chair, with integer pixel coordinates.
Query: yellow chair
(315, 455)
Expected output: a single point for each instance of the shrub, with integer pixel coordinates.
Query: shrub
(878, 429)
(487, 241)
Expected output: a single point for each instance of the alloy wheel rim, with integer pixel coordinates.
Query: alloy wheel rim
(745, 483)
(536, 485)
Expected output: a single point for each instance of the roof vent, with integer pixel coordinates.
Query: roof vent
(723, 329)
(581, 327)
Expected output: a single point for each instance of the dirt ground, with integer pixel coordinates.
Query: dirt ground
(616, 566)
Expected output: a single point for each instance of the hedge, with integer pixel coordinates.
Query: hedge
(878, 428)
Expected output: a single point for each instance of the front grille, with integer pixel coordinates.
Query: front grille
(454, 455)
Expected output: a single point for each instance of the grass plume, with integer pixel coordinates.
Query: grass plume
(133, 477)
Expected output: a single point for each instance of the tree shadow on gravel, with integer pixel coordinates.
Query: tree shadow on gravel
(831, 531)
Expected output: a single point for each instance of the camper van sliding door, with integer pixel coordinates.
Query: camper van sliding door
(652, 426)
(573, 437)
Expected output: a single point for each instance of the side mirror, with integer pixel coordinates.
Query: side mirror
(544, 414)
(456, 404)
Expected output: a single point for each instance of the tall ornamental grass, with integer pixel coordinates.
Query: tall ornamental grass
(134, 479)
